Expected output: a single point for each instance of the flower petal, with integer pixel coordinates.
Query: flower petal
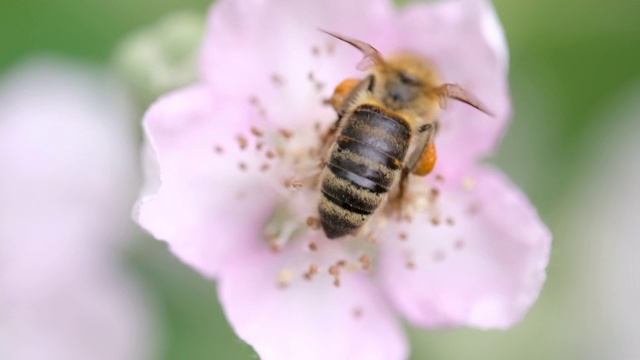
(308, 319)
(482, 266)
(465, 40)
(205, 205)
(274, 50)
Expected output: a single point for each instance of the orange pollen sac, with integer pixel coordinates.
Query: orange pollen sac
(427, 161)
(341, 92)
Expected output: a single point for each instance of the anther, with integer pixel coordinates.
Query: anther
(403, 236)
(435, 221)
(410, 264)
(277, 80)
(285, 278)
(334, 270)
(218, 149)
(450, 221)
(256, 132)
(313, 246)
(242, 141)
(468, 184)
(242, 165)
(313, 223)
(270, 154)
(285, 133)
(313, 270)
(365, 262)
(315, 51)
(264, 167)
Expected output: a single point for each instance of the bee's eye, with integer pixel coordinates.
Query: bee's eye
(408, 78)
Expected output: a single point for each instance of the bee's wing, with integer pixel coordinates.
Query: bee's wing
(371, 55)
(453, 91)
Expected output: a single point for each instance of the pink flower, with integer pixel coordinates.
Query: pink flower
(67, 160)
(232, 164)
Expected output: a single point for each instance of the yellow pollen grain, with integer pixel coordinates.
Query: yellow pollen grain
(256, 132)
(285, 278)
(468, 183)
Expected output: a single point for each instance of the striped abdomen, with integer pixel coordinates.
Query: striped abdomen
(370, 150)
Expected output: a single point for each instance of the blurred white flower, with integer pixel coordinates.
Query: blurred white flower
(603, 226)
(67, 171)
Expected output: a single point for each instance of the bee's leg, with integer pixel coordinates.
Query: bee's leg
(420, 162)
(423, 158)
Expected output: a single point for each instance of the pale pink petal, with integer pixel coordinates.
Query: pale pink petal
(204, 204)
(482, 265)
(464, 38)
(308, 319)
(274, 50)
(67, 177)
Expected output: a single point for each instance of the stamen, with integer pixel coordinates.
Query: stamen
(334, 270)
(364, 262)
(277, 79)
(411, 264)
(313, 223)
(313, 270)
(242, 141)
(218, 149)
(256, 132)
(287, 134)
(313, 246)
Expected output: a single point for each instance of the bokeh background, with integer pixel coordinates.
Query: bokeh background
(575, 83)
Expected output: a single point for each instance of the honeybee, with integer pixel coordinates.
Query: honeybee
(385, 130)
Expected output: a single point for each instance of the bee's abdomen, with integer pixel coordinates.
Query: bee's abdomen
(370, 150)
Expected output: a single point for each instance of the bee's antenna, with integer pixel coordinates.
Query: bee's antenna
(371, 55)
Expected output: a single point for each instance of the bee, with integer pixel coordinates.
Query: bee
(385, 130)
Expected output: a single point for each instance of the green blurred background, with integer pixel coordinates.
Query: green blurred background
(570, 60)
